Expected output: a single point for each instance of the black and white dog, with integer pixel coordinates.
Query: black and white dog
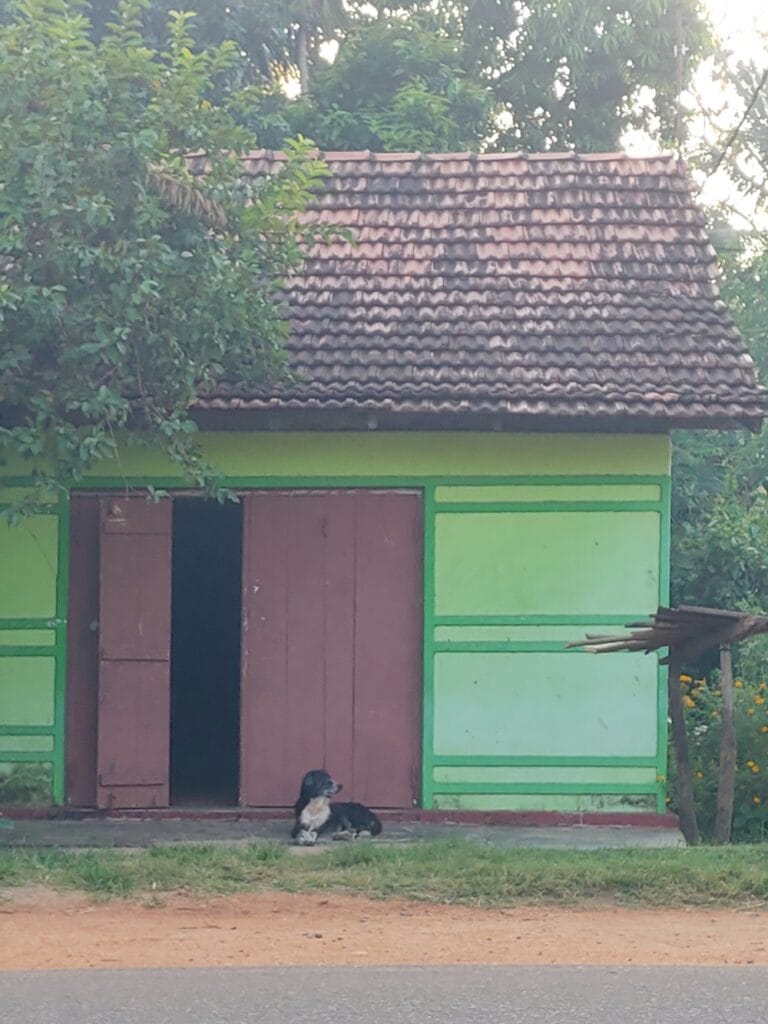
(316, 813)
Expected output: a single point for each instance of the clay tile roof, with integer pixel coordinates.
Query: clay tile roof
(524, 288)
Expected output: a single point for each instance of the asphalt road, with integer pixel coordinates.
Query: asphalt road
(395, 995)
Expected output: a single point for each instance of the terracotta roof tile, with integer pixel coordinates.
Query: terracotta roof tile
(521, 287)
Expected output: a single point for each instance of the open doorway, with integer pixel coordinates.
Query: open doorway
(205, 652)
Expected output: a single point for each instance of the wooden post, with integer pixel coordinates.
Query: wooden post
(685, 804)
(726, 782)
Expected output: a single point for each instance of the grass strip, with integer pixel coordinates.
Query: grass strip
(434, 871)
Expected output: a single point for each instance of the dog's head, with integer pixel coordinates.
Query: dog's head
(318, 783)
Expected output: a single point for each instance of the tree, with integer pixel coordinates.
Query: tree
(128, 285)
(397, 84)
(720, 480)
(312, 22)
(500, 74)
(436, 74)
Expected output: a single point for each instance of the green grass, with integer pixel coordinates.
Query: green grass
(434, 872)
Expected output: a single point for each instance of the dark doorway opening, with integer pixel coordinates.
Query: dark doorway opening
(205, 652)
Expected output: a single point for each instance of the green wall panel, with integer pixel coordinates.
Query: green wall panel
(27, 637)
(550, 492)
(449, 453)
(27, 691)
(28, 560)
(520, 634)
(574, 803)
(543, 774)
(41, 744)
(515, 563)
(534, 704)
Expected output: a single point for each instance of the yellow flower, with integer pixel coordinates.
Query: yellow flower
(761, 686)
(738, 684)
(750, 711)
(686, 679)
(689, 702)
(715, 714)
(759, 700)
(750, 763)
(757, 800)
(699, 775)
(764, 728)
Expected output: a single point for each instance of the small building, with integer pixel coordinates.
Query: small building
(469, 468)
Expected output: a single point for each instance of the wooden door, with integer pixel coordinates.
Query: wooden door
(332, 590)
(134, 653)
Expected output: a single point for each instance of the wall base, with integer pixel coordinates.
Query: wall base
(526, 819)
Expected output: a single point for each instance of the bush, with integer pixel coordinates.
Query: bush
(26, 784)
(703, 702)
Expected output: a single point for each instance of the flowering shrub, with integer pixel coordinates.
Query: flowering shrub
(703, 701)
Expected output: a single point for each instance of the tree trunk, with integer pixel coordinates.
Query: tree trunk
(685, 804)
(302, 57)
(727, 779)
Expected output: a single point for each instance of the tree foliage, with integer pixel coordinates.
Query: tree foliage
(128, 286)
(720, 509)
(503, 74)
(720, 479)
(442, 74)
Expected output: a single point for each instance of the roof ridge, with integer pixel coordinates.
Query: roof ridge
(359, 155)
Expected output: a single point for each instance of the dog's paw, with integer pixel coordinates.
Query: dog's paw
(343, 834)
(307, 837)
(363, 834)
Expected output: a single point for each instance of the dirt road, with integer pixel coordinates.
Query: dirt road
(40, 929)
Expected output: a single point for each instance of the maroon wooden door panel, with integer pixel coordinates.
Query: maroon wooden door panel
(317, 569)
(133, 711)
(297, 649)
(135, 615)
(134, 653)
(388, 631)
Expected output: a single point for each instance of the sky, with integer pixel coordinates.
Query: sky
(741, 26)
(740, 22)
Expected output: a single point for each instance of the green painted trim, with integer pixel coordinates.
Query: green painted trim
(661, 737)
(258, 483)
(27, 651)
(536, 620)
(31, 623)
(36, 756)
(665, 558)
(428, 680)
(26, 730)
(538, 761)
(60, 678)
(546, 787)
(547, 506)
(502, 646)
(266, 482)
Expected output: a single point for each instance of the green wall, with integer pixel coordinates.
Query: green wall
(530, 540)
(514, 721)
(32, 656)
